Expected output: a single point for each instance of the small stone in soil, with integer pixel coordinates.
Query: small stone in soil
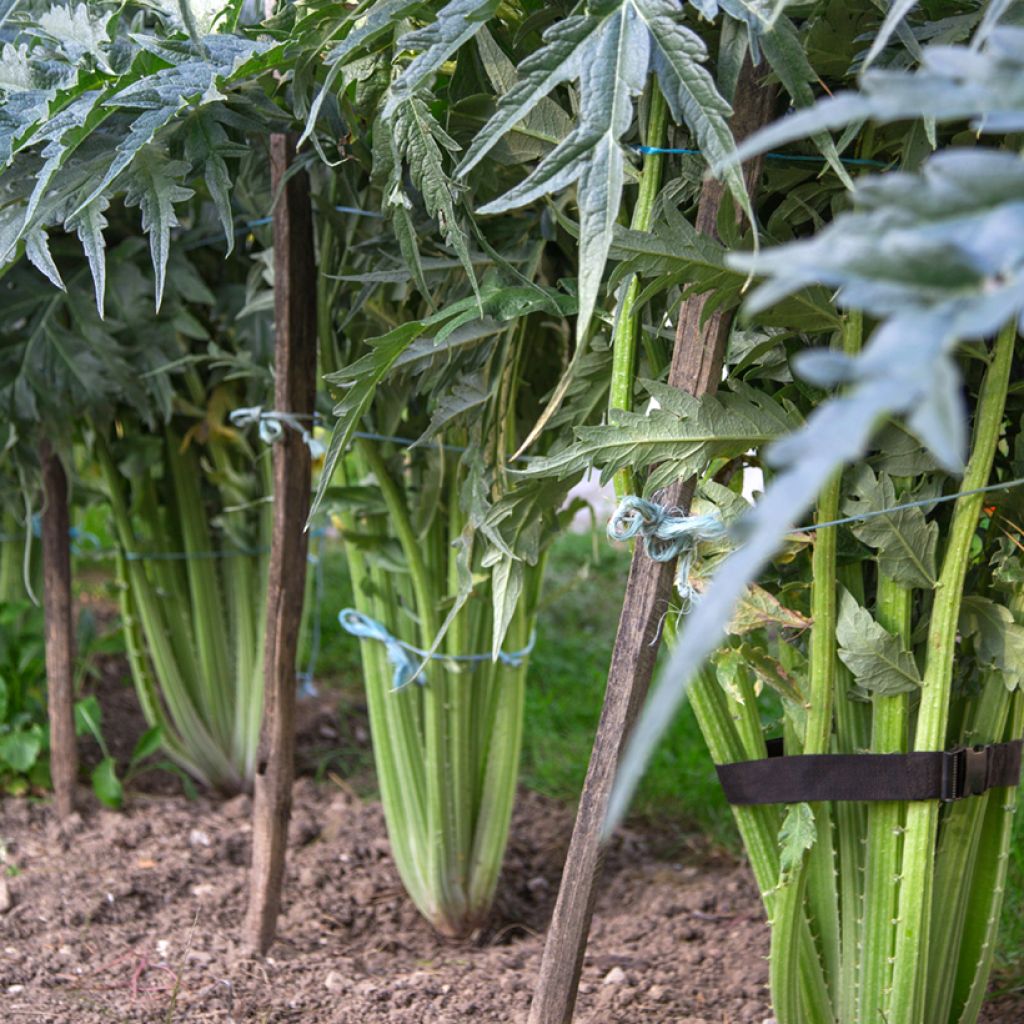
(197, 837)
(616, 976)
(335, 981)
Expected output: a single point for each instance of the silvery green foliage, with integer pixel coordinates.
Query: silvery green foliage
(679, 436)
(936, 257)
(609, 50)
(95, 103)
(983, 82)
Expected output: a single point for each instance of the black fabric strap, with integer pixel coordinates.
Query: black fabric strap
(932, 775)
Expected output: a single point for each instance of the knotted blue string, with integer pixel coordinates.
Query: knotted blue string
(272, 423)
(667, 535)
(406, 659)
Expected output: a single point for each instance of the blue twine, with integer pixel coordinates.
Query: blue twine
(401, 654)
(272, 423)
(667, 535)
(800, 158)
(307, 683)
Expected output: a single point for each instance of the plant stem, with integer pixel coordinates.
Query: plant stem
(912, 936)
(627, 321)
(884, 823)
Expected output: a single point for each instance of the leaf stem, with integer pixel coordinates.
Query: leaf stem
(627, 321)
(912, 937)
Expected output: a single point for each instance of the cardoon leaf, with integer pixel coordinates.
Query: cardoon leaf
(898, 10)
(680, 438)
(418, 144)
(369, 22)
(796, 836)
(457, 22)
(998, 639)
(904, 540)
(153, 186)
(37, 250)
(610, 52)
(879, 661)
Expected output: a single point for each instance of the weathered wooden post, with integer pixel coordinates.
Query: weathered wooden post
(294, 392)
(60, 695)
(697, 368)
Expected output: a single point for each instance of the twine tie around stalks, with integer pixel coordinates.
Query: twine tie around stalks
(272, 423)
(407, 659)
(666, 536)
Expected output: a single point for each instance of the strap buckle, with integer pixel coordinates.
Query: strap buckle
(964, 772)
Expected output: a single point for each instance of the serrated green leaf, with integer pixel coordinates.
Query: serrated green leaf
(904, 540)
(154, 186)
(506, 588)
(469, 391)
(37, 251)
(679, 438)
(367, 23)
(457, 22)
(998, 639)
(89, 223)
(879, 661)
(610, 52)
(417, 143)
(796, 836)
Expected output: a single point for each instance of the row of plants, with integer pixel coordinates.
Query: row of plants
(489, 328)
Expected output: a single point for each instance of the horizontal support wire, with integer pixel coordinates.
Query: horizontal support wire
(797, 158)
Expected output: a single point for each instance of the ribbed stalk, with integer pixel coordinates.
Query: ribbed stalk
(912, 936)
(627, 321)
(447, 752)
(985, 899)
(956, 858)
(884, 825)
(759, 828)
(187, 735)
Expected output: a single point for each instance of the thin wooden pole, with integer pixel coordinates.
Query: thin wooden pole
(60, 693)
(697, 368)
(294, 391)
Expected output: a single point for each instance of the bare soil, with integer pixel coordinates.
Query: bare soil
(135, 917)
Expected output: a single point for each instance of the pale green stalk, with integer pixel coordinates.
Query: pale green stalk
(627, 320)
(193, 626)
(851, 822)
(956, 858)
(758, 824)
(185, 731)
(448, 752)
(985, 900)
(884, 825)
(912, 937)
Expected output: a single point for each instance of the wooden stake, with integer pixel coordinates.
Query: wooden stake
(294, 391)
(60, 694)
(697, 368)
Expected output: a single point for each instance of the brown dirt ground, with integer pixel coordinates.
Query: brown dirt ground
(135, 917)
